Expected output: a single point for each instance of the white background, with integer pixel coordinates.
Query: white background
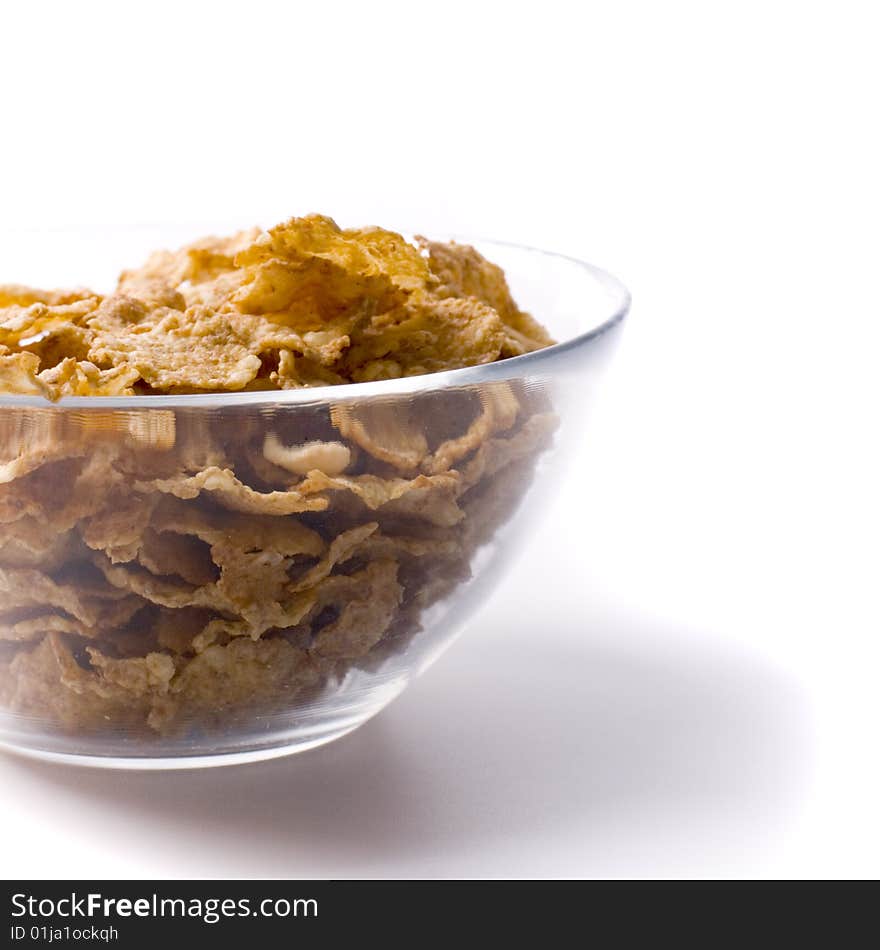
(681, 677)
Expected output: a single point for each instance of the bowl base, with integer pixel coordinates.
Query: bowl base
(332, 724)
(164, 763)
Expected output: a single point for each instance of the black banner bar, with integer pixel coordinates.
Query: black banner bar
(161, 914)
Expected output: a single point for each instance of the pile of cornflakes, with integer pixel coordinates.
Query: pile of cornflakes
(172, 570)
(304, 304)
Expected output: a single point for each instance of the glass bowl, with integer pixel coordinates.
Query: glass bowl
(209, 579)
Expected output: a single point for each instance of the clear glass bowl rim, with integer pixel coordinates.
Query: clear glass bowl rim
(535, 363)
